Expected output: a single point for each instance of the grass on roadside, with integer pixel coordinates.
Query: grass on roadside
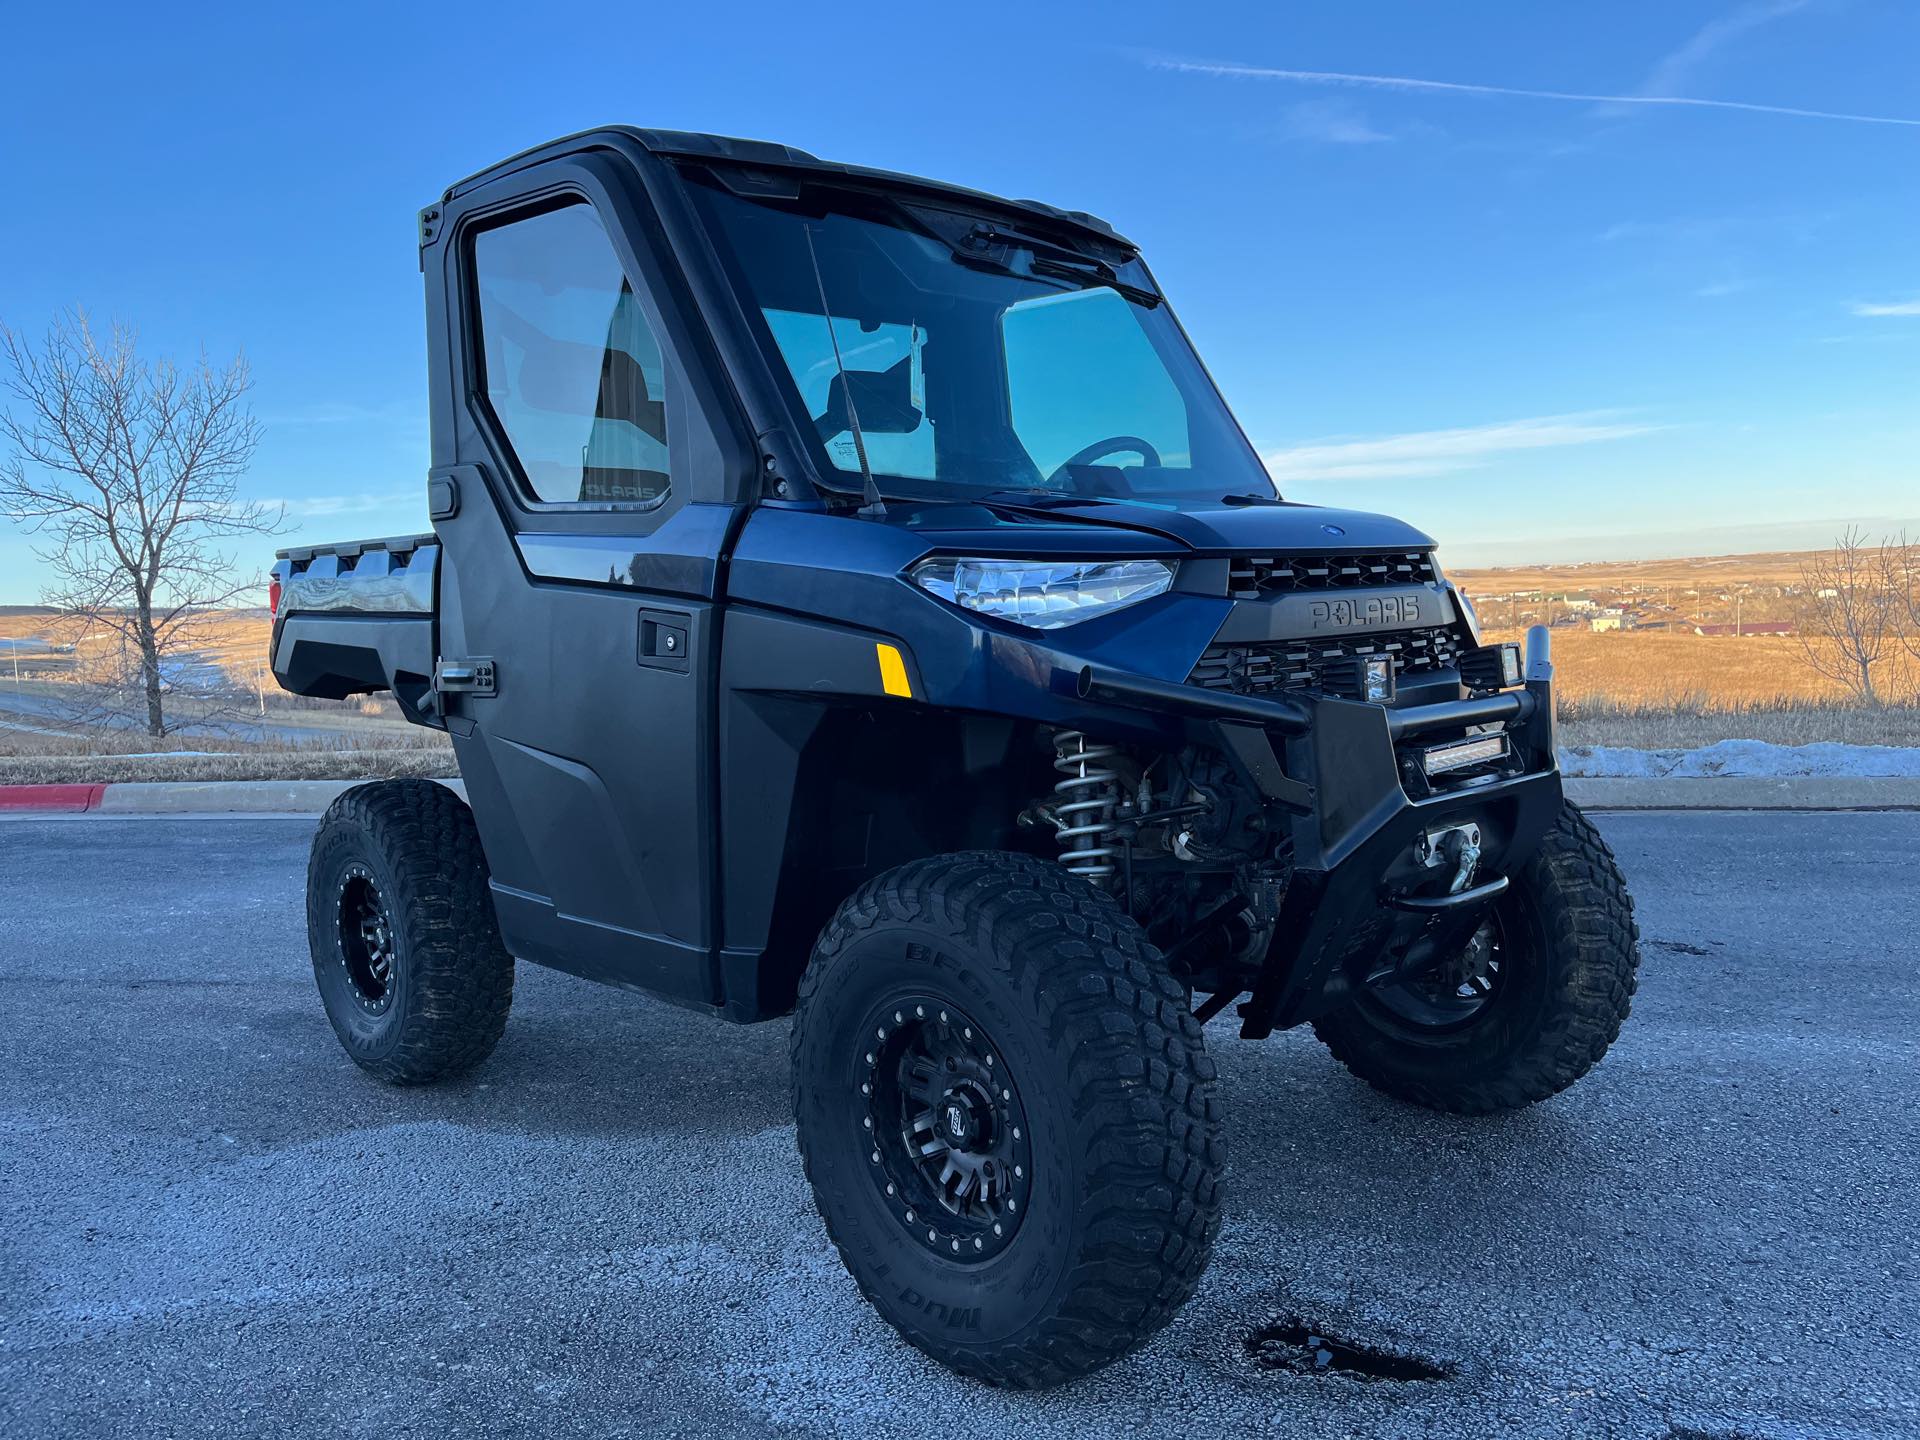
(256, 764)
(1696, 722)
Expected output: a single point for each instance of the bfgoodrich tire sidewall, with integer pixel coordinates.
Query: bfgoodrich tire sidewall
(369, 1038)
(988, 1302)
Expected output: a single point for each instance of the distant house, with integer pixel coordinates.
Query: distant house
(1602, 623)
(1747, 627)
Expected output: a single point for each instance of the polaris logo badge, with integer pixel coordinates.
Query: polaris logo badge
(1374, 612)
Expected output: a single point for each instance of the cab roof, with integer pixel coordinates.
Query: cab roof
(770, 155)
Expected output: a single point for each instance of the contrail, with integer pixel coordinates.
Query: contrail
(1402, 82)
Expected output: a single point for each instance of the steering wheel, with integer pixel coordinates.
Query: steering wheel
(1114, 444)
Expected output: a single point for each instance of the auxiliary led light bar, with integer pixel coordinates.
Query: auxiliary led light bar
(1440, 759)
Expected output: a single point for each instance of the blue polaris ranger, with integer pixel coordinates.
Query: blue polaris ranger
(849, 596)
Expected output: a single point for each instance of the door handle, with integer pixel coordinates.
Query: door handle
(666, 640)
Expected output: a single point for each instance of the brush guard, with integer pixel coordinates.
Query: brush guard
(1363, 904)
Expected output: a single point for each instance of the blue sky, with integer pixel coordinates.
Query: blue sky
(1486, 266)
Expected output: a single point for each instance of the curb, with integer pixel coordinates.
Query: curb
(185, 797)
(311, 797)
(60, 798)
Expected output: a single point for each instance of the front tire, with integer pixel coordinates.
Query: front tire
(406, 948)
(1007, 1115)
(1553, 985)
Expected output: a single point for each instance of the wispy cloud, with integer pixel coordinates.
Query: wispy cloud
(1331, 122)
(1338, 78)
(341, 412)
(1895, 307)
(1676, 68)
(326, 506)
(1440, 452)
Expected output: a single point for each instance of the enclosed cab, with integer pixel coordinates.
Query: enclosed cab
(850, 594)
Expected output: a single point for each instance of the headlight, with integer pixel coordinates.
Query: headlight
(1043, 594)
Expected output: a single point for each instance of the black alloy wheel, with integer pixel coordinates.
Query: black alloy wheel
(366, 940)
(951, 1144)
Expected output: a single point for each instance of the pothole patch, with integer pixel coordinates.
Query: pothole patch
(1291, 1345)
(1679, 947)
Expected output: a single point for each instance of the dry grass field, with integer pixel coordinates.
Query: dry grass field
(1646, 670)
(1716, 572)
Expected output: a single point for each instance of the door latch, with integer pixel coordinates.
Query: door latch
(464, 677)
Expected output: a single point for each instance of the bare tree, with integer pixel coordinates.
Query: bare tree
(1847, 618)
(1900, 576)
(130, 470)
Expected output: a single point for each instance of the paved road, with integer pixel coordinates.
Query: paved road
(211, 1223)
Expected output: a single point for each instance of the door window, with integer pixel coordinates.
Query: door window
(572, 370)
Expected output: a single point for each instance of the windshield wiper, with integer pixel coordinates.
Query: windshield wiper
(986, 248)
(1092, 273)
(1251, 499)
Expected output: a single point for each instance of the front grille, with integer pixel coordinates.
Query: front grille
(1256, 577)
(1304, 664)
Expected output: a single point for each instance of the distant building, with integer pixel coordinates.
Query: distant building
(1602, 623)
(1747, 627)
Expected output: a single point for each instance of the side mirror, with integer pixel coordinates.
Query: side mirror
(883, 399)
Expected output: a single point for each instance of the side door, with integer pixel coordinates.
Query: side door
(591, 492)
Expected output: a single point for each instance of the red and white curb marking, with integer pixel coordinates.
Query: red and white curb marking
(68, 798)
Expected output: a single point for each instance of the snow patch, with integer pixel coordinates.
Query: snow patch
(1731, 759)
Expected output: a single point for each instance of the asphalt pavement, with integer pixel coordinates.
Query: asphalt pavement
(211, 1223)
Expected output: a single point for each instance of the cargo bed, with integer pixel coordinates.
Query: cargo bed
(359, 617)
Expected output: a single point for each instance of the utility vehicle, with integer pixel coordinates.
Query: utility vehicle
(849, 596)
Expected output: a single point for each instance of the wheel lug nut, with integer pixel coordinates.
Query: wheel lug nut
(869, 1057)
(989, 1059)
(956, 1245)
(1006, 1094)
(868, 1122)
(865, 1088)
(943, 1017)
(921, 1011)
(977, 1242)
(909, 1217)
(968, 1032)
(1016, 1132)
(1018, 1173)
(932, 1239)
(876, 1157)
(996, 1228)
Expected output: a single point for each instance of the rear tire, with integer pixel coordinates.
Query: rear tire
(1565, 984)
(998, 998)
(406, 949)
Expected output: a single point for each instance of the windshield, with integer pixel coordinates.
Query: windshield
(968, 355)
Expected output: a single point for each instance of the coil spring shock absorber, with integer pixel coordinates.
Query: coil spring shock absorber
(1088, 800)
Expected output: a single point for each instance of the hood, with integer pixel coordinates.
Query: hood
(1283, 526)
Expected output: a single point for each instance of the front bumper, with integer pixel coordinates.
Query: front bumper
(1347, 775)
